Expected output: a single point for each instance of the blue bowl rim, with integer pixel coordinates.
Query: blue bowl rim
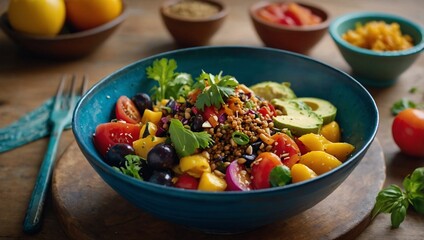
(195, 194)
(359, 15)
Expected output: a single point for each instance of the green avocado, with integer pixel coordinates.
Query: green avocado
(321, 107)
(297, 116)
(271, 90)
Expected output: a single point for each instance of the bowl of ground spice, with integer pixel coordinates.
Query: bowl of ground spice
(193, 22)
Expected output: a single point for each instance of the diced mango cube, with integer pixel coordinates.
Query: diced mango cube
(319, 161)
(143, 146)
(151, 116)
(331, 131)
(211, 182)
(195, 165)
(301, 172)
(314, 142)
(340, 150)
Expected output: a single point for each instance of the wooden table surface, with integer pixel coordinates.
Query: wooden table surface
(26, 82)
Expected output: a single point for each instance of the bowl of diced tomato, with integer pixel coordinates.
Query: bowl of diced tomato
(287, 25)
(225, 143)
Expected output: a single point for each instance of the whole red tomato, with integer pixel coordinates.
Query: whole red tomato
(408, 131)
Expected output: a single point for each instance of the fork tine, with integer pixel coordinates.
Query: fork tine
(59, 92)
(84, 84)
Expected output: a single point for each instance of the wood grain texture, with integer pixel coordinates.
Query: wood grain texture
(90, 209)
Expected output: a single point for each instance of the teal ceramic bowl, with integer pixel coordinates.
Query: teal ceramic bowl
(376, 69)
(232, 212)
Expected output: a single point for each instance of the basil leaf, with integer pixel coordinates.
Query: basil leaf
(399, 213)
(280, 176)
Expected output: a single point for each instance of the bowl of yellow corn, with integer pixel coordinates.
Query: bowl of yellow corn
(378, 46)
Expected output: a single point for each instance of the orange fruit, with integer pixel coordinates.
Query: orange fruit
(86, 14)
(40, 17)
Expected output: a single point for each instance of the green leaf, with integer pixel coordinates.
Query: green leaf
(401, 105)
(386, 200)
(414, 187)
(280, 176)
(179, 87)
(162, 70)
(185, 141)
(398, 214)
(218, 89)
(132, 166)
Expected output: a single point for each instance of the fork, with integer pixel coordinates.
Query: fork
(61, 115)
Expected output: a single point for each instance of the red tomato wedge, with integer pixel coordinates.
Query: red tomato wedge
(286, 149)
(261, 169)
(108, 134)
(127, 111)
(187, 182)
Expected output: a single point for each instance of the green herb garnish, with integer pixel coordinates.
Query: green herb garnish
(185, 141)
(162, 71)
(240, 138)
(401, 105)
(132, 166)
(216, 89)
(280, 176)
(396, 202)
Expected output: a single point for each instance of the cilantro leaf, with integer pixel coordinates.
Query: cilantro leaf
(179, 87)
(162, 70)
(216, 89)
(132, 166)
(185, 141)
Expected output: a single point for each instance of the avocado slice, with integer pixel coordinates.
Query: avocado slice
(322, 107)
(297, 116)
(271, 90)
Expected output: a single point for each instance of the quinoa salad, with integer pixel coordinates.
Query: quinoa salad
(212, 133)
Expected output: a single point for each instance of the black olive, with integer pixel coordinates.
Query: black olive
(142, 101)
(115, 156)
(256, 145)
(162, 156)
(250, 158)
(172, 104)
(161, 177)
(196, 123)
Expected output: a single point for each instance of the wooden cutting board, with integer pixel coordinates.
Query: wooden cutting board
(90, 209)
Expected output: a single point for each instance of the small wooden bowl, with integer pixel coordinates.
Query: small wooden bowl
(300, 39)
(66, 45)
(189, 32)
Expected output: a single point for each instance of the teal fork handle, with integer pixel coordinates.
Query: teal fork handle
(32, 221)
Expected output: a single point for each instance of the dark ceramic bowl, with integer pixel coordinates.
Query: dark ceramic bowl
(188, 32)
(232, 212)
(386, 67)
(300, 39)
(66, 45)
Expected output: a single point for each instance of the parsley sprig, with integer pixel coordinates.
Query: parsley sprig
(217, 89)
(132, 166)
(396, 202)
(185, 141)
(171, 84)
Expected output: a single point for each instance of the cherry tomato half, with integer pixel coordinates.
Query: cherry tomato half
(408, 131)
(286, 149)
(127, 111)
(261, 169)
(187, 182)
(108, 134)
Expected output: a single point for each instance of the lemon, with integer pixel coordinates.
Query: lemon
(86, 14)
(38, 17)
